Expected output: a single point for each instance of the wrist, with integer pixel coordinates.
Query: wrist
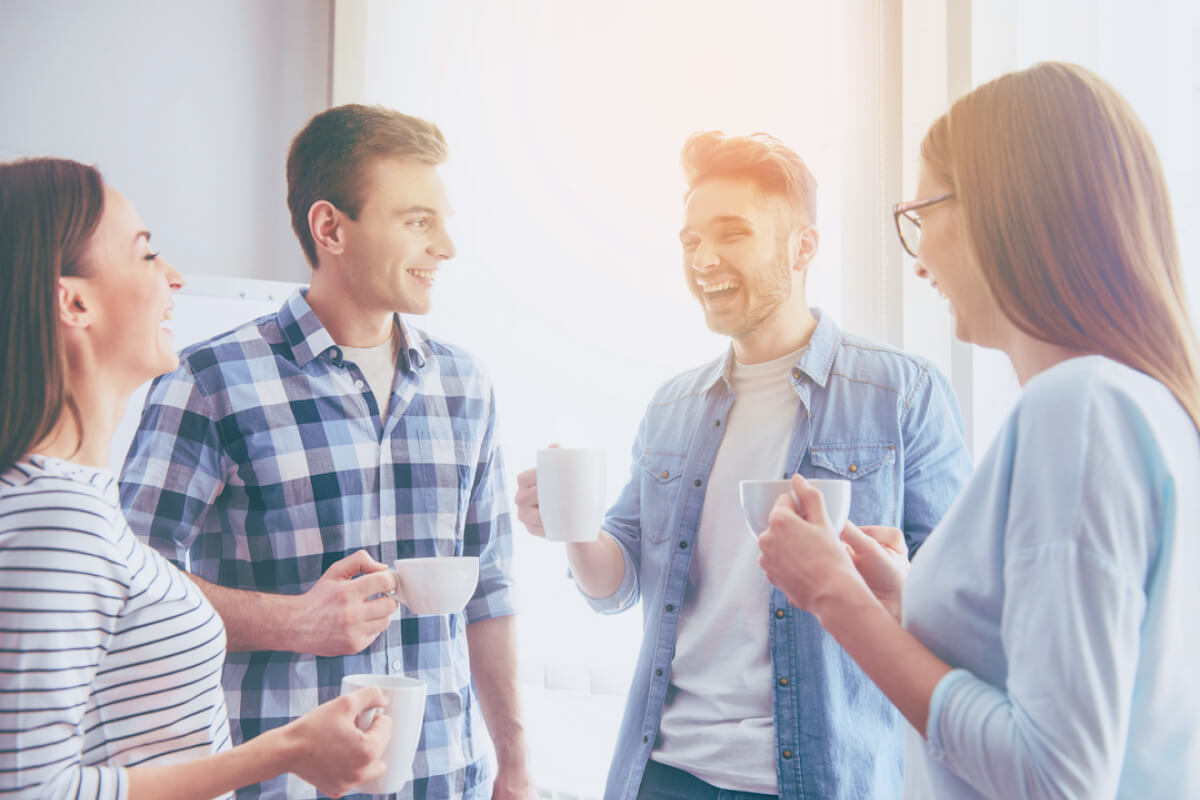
(843, 600)
(274, 752)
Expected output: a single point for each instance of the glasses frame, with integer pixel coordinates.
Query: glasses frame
(905, 210)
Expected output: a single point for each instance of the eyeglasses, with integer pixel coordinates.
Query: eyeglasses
(908, 222)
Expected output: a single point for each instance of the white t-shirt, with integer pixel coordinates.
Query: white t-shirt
(718, 723)
(378, 366)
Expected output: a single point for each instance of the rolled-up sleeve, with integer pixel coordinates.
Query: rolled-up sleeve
(488, 530)
(175, 466)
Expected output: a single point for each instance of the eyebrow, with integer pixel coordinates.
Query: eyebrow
(721, 220)
(419, 210)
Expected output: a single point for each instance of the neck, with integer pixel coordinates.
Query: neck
(100, 408)
(1031, 356)
(348, 322)
(788, 329)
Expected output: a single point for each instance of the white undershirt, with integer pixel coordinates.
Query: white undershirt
(378, 366)
(718, 723)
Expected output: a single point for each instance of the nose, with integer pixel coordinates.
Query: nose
(704, 257)
(442, 246)
(174, 278)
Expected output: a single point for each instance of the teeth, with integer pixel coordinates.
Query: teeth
(427, 274)
(718, 287)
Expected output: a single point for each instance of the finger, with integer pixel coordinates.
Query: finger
(527, 479)
(356, 563)
(555, 444)
(858, 541)
(364, 698)
(380, 608)
(891, 538)
(375, 583)
(812, 503)
(380, 728)
(527, 497)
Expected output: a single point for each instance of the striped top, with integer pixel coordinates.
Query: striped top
(109, 656)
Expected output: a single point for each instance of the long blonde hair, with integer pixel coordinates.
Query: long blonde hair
(1067, 213)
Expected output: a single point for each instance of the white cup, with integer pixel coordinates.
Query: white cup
(406, 707)
(570, 486)
(436, 585)
(758, 498)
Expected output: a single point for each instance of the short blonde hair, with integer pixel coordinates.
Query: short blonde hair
(1067, 213)
(759, 157)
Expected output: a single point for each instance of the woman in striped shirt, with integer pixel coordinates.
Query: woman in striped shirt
(110, 657)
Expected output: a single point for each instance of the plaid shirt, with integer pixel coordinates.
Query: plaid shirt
(263, 459)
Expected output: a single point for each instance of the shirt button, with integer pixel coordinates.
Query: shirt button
(665, 475)
(779, 614)
(388, 520)
(358, 384)
(397, 665)
(670, 608)
(787, 753)
(783, 681)
(658, 672)
(697, 482)
(854, 468)
(645, 739)
(718, 423)
(795, 374)
(683, 545)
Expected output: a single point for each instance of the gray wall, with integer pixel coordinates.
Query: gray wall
(186, 106)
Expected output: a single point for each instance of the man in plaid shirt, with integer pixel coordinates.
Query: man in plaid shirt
(286, 463)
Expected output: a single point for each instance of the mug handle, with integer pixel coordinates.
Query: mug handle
(398, 592)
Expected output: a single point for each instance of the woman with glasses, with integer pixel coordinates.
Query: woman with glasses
(110, 657)
(1049, 628)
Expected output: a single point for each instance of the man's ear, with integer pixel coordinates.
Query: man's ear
(74, 304)
(802, 246)
(325, 226)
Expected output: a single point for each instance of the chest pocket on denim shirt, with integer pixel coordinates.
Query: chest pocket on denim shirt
(871, 469)
(661, 473)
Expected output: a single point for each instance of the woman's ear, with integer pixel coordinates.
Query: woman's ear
(74, 304)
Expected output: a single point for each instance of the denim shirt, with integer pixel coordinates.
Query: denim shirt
(884, 420)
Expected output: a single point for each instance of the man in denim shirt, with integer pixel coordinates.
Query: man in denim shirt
(737, 694)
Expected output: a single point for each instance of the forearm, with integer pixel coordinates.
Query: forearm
(493, 648)
(598, 566)
(903, 668)
(256, 620)
(258, 760)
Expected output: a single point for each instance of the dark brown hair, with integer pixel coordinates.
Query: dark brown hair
(328, 159)
(49, 209)
(760, 157)
(1068, 217)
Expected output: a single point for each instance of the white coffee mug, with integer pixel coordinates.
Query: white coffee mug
(758, 498)
(570, 486)
(435, 585)
(406, 706)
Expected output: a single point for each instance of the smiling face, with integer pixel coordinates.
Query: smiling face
(945, 260)
(736, 243)
(126, 294)
(396, 246)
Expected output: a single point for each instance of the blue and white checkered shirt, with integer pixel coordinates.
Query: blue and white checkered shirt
(263, 459)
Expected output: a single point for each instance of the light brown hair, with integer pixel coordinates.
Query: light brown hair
(49, 209)
(328, 159)
(1067, 214)
(759, 157)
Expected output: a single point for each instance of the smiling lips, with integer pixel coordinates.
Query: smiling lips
(423, 274)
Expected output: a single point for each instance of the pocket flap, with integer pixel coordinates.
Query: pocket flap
(853, 461)
(663, 467)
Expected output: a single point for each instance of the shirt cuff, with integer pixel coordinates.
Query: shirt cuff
(937, 703)
(624, 595)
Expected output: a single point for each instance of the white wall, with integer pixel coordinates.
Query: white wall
(187, 108)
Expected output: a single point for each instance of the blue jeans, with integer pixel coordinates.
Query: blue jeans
(661, 782)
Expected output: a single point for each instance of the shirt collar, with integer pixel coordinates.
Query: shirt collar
(309, 339)
(816, 361)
